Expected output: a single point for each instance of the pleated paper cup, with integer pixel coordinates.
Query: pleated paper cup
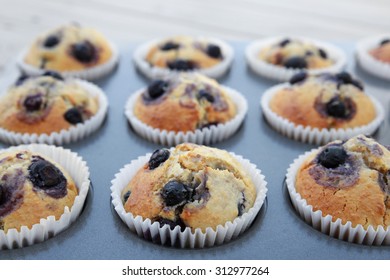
(65, 136)
(91, 73)
(164, 235)
(50, 227)
(283, 74)
(370, 63)
(312, 135)
(339, 229)
(205, 136)
(154, 72)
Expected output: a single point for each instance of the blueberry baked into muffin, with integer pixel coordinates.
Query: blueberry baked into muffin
(69, 48)
(295, 53)
(324, 101)
(184, 102)
(44, 104)
(184, 53)
(32, 187)
(382, 51)
(190, 186)
(349, 180)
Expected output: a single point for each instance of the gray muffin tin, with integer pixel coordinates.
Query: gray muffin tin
(277, 233)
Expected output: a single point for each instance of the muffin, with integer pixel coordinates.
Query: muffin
(70, 49)
(32, 187)
(210, 56)
(280, 58)
(324, 102)
(186, 103)
(382, 51)
(189, 196)
(45, 104)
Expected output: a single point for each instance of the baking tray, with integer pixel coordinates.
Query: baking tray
(277, 232)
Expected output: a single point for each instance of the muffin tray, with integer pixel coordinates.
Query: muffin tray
(277, 233)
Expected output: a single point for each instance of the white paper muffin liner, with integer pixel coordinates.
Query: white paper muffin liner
(153, 72)
(49, 227)
(314, 135)
(338, 229)
(92, 73)
(283, 74)
(367, 61)
(206, 136)
(186, 239)
(65, 136)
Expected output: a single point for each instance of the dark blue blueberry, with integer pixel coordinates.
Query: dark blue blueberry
(1, 195)
(181, 65)
(357, 84)
(157, 88)
(21, 80)
(323, 53)
(84, 52)
(126, 196)
(53, 74)
(332, 156)
(336, 108)
(214, 51)
(174, 193)
(158, 157)
(299, 77)
(170, 223)
(33, 102)
(344, 77)
(296, 62)
(385, 41)
(205, 95)
(51, 41)
(284, 42)
(169, 46)
(309, 53)
(208, 125)
(73, 116)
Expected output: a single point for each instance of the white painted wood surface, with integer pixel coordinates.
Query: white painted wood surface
(138, 20)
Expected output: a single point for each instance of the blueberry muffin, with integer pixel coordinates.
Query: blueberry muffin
(69, 48)
(324, 101)
(382, 52)
(45, 104)
(190, 186)
(295, 53)
(32, 187)
(348, 180)
(183, 53)
(184, 102)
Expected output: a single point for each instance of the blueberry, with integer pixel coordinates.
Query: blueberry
(84, 51)
(336, 108)
(169, 46)
(295, 62)
(73, 116)
(158, 157)
(357, 84)
(170, 223)
(284, 42)
(344, 77)
(33, 102)
(332, 156)
(299, 77)
(309, 53)
(181, 65)
(208, 125)
(1, 195)
(21, 80)
(323, 53)
(51, 41)
(157, 88)
(384, 41)
(214, 51)
(206, 95)
(126, 196)
(174, 193)
(53, 74)
(44, 175)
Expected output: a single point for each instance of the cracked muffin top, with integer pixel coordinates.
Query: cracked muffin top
(294, 53)
(382, 52)
(348, 180)
(32, 187)
(69, 48)
(324, 101)
(190, 186)
(45, 104)
(184, 102)
(184, 53)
